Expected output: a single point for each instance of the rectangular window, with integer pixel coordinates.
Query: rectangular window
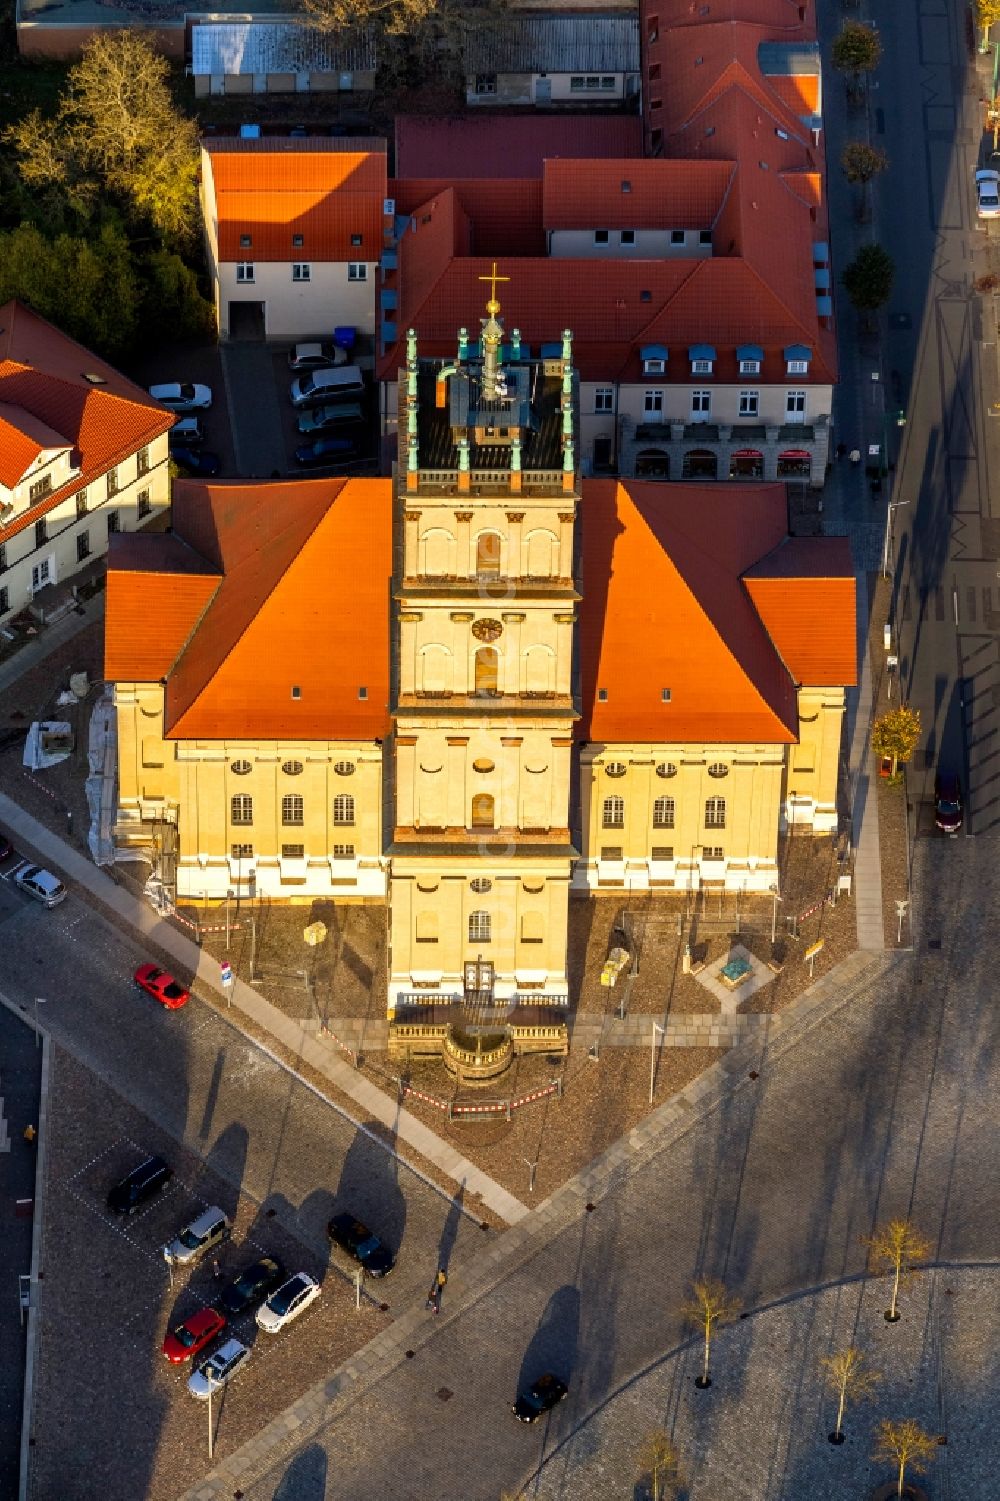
(301, 271)
(343, 809)
(795, 406)
(677, 237)
(81, 503)
(627, 236)
(82, 546)
(653, 72)
(142, 462)
(4, 601)
(246, 241)
(343, 851)
(601, 236)
(41, 533)
(40, 489)
(701, 367)
(298, 241)
(293, 810)
(607, 81)
(701, 404)
(604, 399)
(713, 852)
(142, 504)
(577, 83)
(244, 271)
(486, 83)
(663, 813)
(749, 403)
(705, 237)
(749, 367)
(293, 852)
(113, 523)
(357, 239)
(652, 403)
(611, 852)
(357, 271)
(662, 852)
(797, 367)
(241, 808)
(112, 480)
(241, 851)
(654, 367)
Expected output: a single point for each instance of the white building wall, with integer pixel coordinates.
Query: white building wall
(650, 244)
(299, 310)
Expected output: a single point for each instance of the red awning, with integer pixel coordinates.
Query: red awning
(795, 453)
(748, 453)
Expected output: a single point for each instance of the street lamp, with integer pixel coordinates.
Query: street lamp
(893, 506)
(775, 899)
(652, 1056)
(208, 1378)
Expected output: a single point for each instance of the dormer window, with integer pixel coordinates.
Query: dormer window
(654, 367)
(750, 357)
(797, 358)
(701, 367)
(654, 359)
(749, 367)
(246, 241)
(702, 357)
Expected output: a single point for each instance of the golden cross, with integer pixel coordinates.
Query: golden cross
(493, 278)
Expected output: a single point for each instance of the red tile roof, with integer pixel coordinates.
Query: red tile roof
(104, 420)
(300, 597)
(324, 196)
(661, 194)
(503, 145)
(504, 216)
(22, 439)
(804, 592)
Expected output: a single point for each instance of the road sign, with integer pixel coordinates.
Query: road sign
(814, 949)
(226, 972)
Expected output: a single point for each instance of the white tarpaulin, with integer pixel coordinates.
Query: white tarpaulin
(48, 742)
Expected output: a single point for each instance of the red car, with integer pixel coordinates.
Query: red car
(162, 987)
(193, 1335)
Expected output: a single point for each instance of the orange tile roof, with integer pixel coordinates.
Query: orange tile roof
(804, 592)
(664, 607)
(302, 599)
(22, 439)
(324, 196)
(104, 420)
(157, 590)
(661, 194)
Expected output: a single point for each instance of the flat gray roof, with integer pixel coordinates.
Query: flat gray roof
(556, 44)
(234, 47)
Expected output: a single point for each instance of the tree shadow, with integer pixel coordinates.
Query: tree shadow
(305, 1478)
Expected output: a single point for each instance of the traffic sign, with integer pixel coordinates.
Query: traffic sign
(226, 972)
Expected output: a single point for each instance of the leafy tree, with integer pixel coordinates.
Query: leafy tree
(710, 1304)
(659, 1462)
(986, 13)
(88, 287)
(895, 734)
(905, 1445)
(856, 51)
(172, 306)
(850, 1381)
(897, 1247)
(868, 279)
(861, 163)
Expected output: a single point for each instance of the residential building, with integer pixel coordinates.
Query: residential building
(550, 59)
(295, 231)
(279, 57)
(565, 685)
(83, 455)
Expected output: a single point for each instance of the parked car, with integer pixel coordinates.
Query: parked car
(291, 1299)
(988, 194)
(40, 884)
(547, 1392)
(316, 356)
(320, 418)
(184, 1342)
(209, 1229)
(218, 1369)
(186, 432)
(321, 387)
(161, 986)
(252, 1285)
(139, 1186)
(206, 465)
(182, 396)
(361, 1245)
(326, 451)
(948, 805)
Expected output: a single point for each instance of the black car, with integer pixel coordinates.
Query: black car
(197, 461)
(540, 1398)
(141, 1184)
(360, 1244)
(252, 1286)
(326, 451)
(948, 807)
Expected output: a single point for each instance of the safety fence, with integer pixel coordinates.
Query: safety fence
(464, 1109)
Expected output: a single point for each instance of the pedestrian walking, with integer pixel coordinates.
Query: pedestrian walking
(216, 1268)
(855, 455)
(432, 1298)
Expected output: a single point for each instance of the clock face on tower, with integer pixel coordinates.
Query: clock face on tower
(487, 630)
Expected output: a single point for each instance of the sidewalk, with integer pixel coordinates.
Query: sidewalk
(49, 639)
(133, 913)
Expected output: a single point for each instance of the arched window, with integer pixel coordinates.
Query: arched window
(541, 550)
(292, 768)
(239, 768)
(718, 769)
(663, 813)
(439, 553)
(666, 769)
(343, 809)
(614, 813)
(488, 554)
(482, 811)
(435, 676)
(427, 927)
(293, 810)
(539, 670)
(715, 813)
(241, 808)
(532, 928)
(480, 927)
(487, 671)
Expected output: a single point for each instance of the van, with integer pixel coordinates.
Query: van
(345, 383)
(318, 419)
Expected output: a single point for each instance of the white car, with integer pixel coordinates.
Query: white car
(316, 356)
(40, 884)
(218, 1369)
(292, 1298)
(988, 194)
(182, 396)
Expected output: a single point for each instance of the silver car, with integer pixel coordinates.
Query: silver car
(182, 396)
(40, 884)
(988, 194)
(209, 1229)
(218, 1369)
(291, 1299)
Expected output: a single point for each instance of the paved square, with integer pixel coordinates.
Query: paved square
(729, 998)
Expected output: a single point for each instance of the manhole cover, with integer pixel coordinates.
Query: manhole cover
(445, 1393)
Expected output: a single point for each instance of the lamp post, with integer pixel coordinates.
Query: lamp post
(893, 506)
(901, 909)
(532, 1168)
(652, 1056)
(208, 1378)
(775, 899)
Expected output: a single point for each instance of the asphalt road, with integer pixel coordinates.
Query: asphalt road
(20, 1075)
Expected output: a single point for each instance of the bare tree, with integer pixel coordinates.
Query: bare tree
(905, 1445)
(860, 163)
(850, 1380)
(897, 1247)
(659, 1462)
(709, 1304)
